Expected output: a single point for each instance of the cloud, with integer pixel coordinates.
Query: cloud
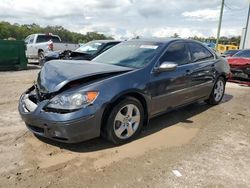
(183, 32)
(128, 18)
(201, 15)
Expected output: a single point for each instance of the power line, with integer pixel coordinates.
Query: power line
(234, 9)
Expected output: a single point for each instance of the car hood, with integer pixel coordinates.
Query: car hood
(56, 74)
(238, 61)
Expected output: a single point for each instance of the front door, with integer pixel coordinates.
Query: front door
(170, 89)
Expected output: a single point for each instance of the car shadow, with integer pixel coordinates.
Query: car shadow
(155, 124)
(33, 66)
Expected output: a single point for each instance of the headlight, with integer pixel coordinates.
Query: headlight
(73, 101)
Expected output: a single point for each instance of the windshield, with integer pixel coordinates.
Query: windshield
(244, 53)
(90, 47)
(129, 54)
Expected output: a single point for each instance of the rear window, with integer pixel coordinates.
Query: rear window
(231, 52)
(46, 38)
(244, 53)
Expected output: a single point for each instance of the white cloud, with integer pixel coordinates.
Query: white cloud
(183, 32)
(201, 15)
(229, 31)
(128, 18)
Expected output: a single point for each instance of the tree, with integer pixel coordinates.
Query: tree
(176, 35)
(20, 32)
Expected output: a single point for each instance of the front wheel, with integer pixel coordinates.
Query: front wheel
(217, 92)
(125, 121)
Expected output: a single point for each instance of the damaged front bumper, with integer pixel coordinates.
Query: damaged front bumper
(239, 73)
(71, 127)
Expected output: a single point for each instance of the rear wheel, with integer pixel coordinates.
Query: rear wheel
(217, 92)
(125, 121)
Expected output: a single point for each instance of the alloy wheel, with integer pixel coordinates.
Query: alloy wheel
(127, 121)
(219, 90)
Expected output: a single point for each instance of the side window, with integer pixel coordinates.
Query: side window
(177, 53)
(199, 52)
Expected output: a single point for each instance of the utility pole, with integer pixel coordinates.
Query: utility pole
(219, 26)
(246, 30)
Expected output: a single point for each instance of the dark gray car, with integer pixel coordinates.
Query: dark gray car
(92, 49)
(117, 93)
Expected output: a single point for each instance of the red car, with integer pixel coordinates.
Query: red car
(240, 66)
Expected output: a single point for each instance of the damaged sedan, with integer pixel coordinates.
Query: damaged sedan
(116, 94)
(240, 66)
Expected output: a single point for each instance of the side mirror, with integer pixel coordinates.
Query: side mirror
(167, 66)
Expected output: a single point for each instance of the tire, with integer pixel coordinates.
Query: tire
(125, 121)
(41, 58)
(217, 92)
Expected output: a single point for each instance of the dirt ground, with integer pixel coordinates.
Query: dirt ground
(209, 146)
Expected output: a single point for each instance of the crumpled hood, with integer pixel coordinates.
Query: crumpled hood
(56, 74)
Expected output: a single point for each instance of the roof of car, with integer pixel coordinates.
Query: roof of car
(162, 40)
(107, 41)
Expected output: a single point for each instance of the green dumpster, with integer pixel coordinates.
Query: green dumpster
(12, 55)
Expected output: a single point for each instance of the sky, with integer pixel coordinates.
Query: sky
(124, 19)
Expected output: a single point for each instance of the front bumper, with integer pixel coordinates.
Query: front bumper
(70, 127)
(240, 74)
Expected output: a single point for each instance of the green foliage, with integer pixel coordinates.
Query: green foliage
(223, 40)
(20, 32)
(175, 35)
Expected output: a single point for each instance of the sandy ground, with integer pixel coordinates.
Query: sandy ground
(209, 146)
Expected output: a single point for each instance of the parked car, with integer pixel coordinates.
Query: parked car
(92, 49)
(39, 44)
(240, 65)
(120, 90)
(229, 53)
(86, 51)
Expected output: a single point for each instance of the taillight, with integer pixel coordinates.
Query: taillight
(51, 46)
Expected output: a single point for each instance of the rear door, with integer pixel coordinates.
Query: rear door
(203, 70)
(171, 89)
